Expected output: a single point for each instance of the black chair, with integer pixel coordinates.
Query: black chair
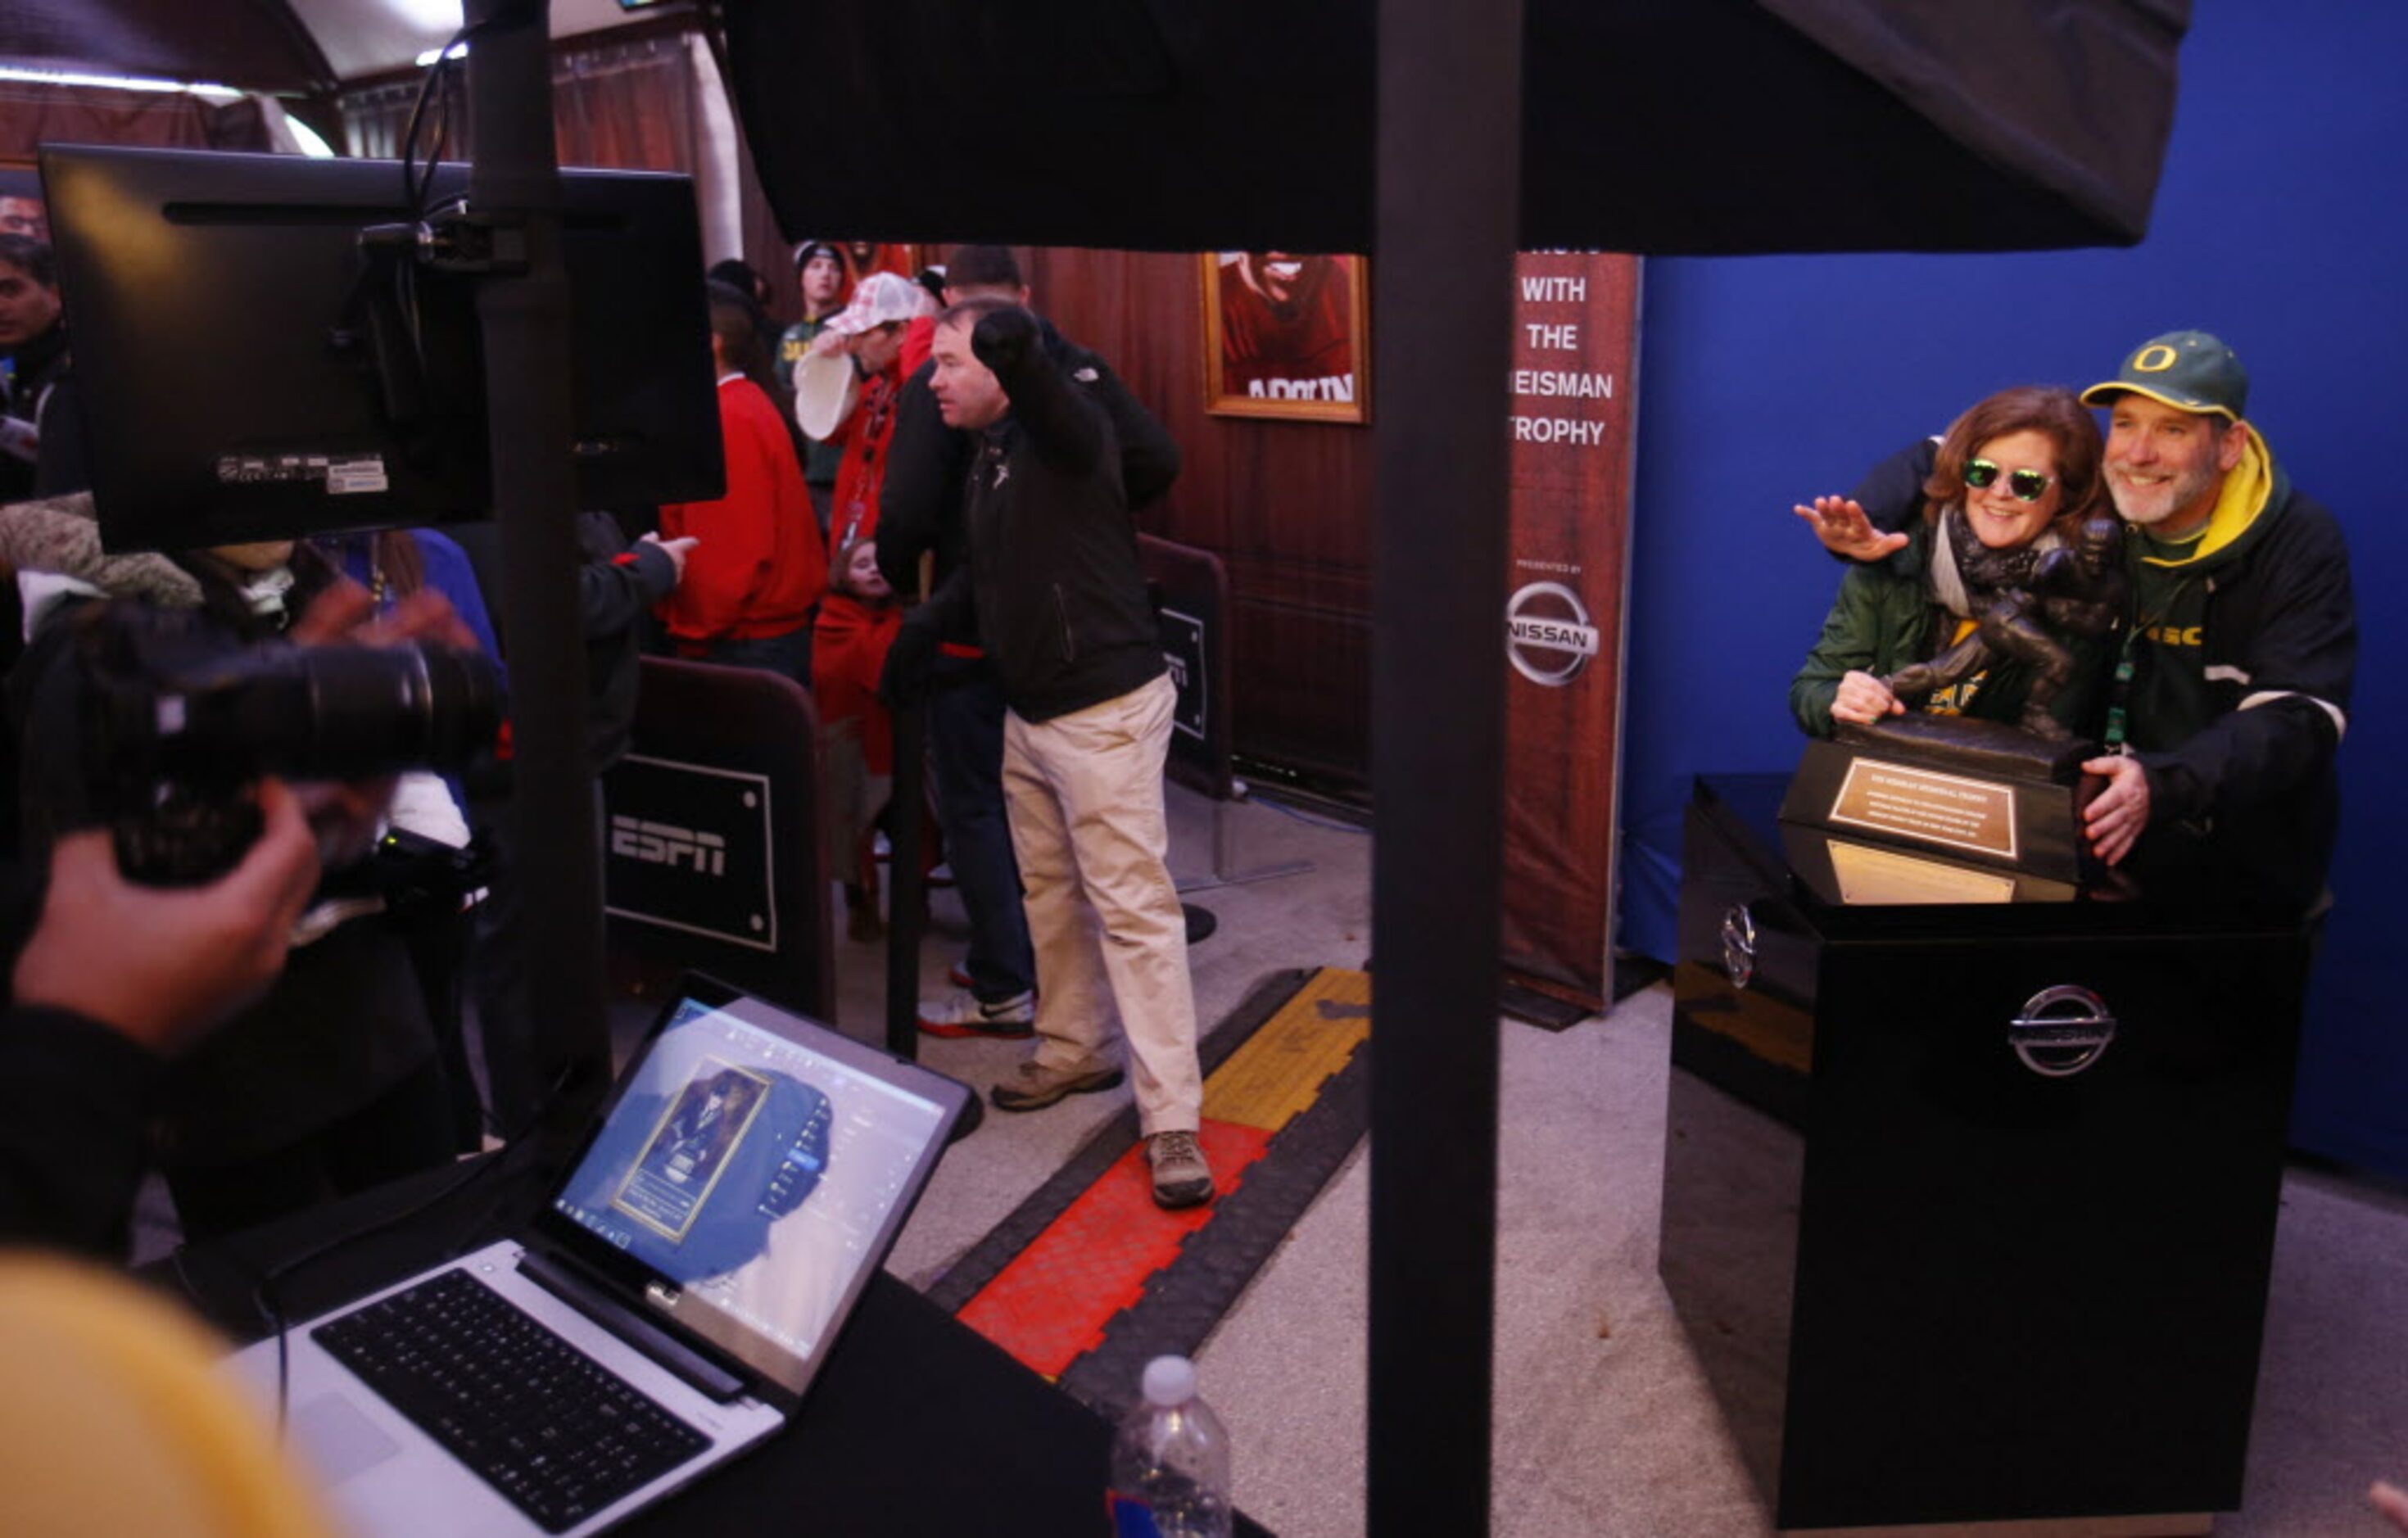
(711, 854)
(1191, 600)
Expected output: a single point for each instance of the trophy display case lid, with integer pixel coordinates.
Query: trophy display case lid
(1989, 749)
(1852, 887)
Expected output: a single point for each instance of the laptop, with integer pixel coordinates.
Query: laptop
(665, 1311)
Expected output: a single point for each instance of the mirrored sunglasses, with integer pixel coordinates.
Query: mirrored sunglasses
(2024, 485)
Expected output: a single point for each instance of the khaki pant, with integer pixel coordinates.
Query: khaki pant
(1084, 795)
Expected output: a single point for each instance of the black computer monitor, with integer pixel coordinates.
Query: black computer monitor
(231, 391)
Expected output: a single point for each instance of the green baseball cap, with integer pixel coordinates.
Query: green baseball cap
(2188, 370)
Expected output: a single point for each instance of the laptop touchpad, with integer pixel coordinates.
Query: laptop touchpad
(338, 1439)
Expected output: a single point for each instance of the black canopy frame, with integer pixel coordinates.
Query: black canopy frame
(1644, 125)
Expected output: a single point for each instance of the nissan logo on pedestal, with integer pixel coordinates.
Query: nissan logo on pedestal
(1738, 945)
(1547, 634)
(2061, 1030)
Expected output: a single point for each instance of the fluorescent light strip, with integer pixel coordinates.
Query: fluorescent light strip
(459, 51)
(116, 82)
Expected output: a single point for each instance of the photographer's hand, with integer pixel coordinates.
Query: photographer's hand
(334, 616)
(345, 615)
(344, 816)
(162, 965)
(425, 615)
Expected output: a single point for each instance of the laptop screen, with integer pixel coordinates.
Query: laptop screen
(751, 1171)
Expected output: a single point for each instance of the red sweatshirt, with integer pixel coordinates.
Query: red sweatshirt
(760, 565)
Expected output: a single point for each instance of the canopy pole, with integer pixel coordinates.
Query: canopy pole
(515, 177)
(1449, 195)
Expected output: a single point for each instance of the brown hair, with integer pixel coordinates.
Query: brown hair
(983, 267)
(2045, 409)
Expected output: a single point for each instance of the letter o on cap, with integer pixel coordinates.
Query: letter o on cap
(2155, 359)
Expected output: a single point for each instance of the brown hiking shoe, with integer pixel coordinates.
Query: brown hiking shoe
(1180, 1176)
(1036, 1086)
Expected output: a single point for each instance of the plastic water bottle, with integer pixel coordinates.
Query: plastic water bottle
(1170, 1461)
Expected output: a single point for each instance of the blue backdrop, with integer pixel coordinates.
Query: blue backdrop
(2282, 225)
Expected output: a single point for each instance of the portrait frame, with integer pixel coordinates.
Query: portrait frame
(685, 1142)
(1233, 385)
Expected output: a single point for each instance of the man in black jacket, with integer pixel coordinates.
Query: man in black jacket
(1062, 611)
(920, 511)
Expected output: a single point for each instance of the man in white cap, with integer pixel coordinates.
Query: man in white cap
(870, 329)
(2231, 690)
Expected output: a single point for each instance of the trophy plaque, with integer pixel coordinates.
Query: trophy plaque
(1972, 792)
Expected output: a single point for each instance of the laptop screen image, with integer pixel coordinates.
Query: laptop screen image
(752, 1170)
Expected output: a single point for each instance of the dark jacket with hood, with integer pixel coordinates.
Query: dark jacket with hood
(1061, 601)
(2243, 650)
(928, 464)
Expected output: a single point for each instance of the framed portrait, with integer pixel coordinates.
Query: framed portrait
(21, 211)
(690, 1148)
(1286, 334)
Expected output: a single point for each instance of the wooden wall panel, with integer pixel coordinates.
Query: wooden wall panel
(1286, 505)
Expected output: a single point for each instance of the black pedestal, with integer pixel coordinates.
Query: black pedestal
(1941, 1266)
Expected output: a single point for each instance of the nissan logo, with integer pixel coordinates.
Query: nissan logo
(2061, 1030)
(1548, 638)
(1738, 945)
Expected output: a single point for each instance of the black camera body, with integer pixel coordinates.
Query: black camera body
(176, 719)
(423, 883)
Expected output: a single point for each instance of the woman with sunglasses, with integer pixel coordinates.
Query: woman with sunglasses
(2015, 547)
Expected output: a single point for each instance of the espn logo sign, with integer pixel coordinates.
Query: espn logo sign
(660, 843)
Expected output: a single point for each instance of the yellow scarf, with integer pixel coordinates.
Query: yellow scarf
(2247, 487)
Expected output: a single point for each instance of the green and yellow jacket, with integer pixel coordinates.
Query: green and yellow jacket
(1886, 618)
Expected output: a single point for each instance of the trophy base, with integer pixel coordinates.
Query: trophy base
(1972, 790)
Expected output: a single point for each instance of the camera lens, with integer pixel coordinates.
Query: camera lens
(334, 712)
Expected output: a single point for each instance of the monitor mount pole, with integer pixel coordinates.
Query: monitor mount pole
(523, 305)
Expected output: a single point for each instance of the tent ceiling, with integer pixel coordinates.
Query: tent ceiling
(1655, 125)
(256, 45)
(1647, 125)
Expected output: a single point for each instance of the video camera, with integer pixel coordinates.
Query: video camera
(177, 722)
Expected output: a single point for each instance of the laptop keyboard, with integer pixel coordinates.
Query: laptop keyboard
(559, 1434)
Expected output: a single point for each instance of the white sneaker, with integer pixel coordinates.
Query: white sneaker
(962, 1013)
